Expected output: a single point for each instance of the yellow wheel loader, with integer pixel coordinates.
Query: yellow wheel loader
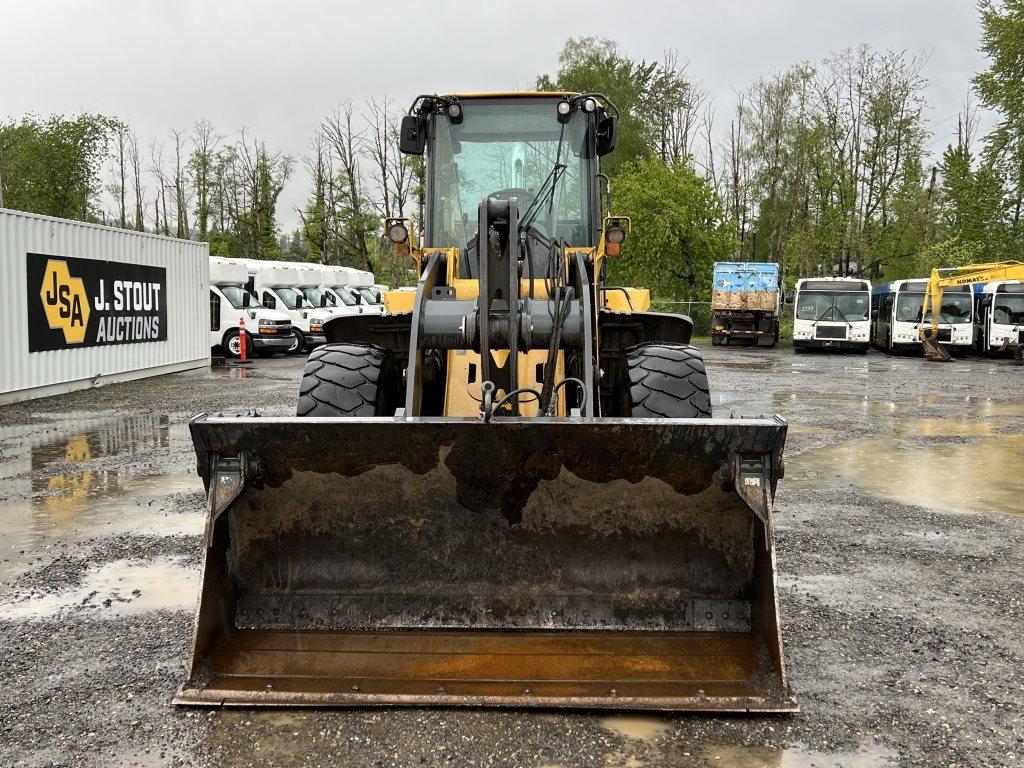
(508, 492)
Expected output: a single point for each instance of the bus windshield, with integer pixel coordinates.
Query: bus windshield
(316, 297)
(235, 294)
(840, 306)
(508, 148)
(370, 297)
(1008, 310)
(956, 308)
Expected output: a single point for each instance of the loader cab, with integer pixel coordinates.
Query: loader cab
(541, 149)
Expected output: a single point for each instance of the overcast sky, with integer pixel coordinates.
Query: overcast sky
(277, 67)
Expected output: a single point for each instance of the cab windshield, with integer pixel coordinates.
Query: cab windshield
(290, 297)
(956, 308)
(1008, 310)
(508, 148)
(837, 306)
(345, 296)
(370, 297)
(316, 297)
(235, 295)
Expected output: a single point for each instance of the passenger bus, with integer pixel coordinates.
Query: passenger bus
(896, 318)
(998, 316)
(832, 313)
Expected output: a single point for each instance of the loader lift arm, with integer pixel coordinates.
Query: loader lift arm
(942, 278)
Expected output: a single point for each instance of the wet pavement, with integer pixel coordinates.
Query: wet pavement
(900, 531)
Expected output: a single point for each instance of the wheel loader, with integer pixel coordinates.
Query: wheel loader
(510, 491)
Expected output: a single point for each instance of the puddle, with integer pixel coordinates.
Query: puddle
(120, 588)
(945, 428)
(984, 475)
(872, 756)
(635, 727)
(89, 476)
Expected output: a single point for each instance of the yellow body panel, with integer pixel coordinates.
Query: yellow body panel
(627, 299)
(463, 394)
(397, 302)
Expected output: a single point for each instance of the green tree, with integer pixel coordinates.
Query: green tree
(52, 166)
(637, 88)
(1001, 88)
(679, 229)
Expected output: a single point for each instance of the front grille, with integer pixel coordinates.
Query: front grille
(830, 332)
(278, 323)
(945, 334)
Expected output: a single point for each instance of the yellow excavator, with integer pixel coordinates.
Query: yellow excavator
(511, 490)
(971, 274)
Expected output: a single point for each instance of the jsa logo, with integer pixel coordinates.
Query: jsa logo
(65, 301)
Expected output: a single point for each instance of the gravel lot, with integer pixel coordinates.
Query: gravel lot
(900, 531)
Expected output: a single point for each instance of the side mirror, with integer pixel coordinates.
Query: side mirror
(380, 298)
(246, 300)
(607, 133)
(299, 303)
(358, 297)
(412, 139)
(323, 300)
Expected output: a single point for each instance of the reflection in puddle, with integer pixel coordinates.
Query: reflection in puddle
(119, 588)
(945, 428)
(94, 475)
(872, 756)
(636, 727)
(985, 475)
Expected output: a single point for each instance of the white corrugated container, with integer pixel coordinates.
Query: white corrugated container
(169, 280)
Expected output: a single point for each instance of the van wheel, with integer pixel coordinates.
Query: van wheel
(667, 381)
(346, 380)
(233, 344)
(298, 342)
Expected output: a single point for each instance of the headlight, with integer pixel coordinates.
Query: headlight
(398, 233)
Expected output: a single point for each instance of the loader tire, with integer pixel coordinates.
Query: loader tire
(343, 380)
(667, 381)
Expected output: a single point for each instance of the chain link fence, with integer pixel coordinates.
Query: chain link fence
(700, 313)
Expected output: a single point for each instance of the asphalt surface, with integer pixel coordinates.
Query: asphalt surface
(900, 548)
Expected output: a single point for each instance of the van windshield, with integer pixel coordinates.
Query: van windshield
(291, 297)
(956, 308)
(316, 297)
(345, 296)
(368, 296)
(235, 294)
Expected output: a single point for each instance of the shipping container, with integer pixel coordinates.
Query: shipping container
(92, 305)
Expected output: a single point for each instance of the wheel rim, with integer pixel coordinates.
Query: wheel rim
(295, 343)
(235, 345)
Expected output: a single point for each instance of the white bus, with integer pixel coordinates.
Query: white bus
(896, 318)
(266, 330)
(280, 287)
(998, 316)
(832, 313)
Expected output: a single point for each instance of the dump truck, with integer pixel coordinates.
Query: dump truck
(745, 303)
(512, 490)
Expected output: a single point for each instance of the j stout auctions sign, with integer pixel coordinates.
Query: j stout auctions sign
(87, 303)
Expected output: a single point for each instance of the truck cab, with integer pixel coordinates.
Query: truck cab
(267, 330)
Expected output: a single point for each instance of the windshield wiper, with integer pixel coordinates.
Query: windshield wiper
(842, 316)
(543, 194)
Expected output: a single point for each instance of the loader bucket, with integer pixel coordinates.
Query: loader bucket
(613, 563)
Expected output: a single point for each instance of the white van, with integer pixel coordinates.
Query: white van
(267, 330)
(334, 283)
(360, 284)
(279, 286)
